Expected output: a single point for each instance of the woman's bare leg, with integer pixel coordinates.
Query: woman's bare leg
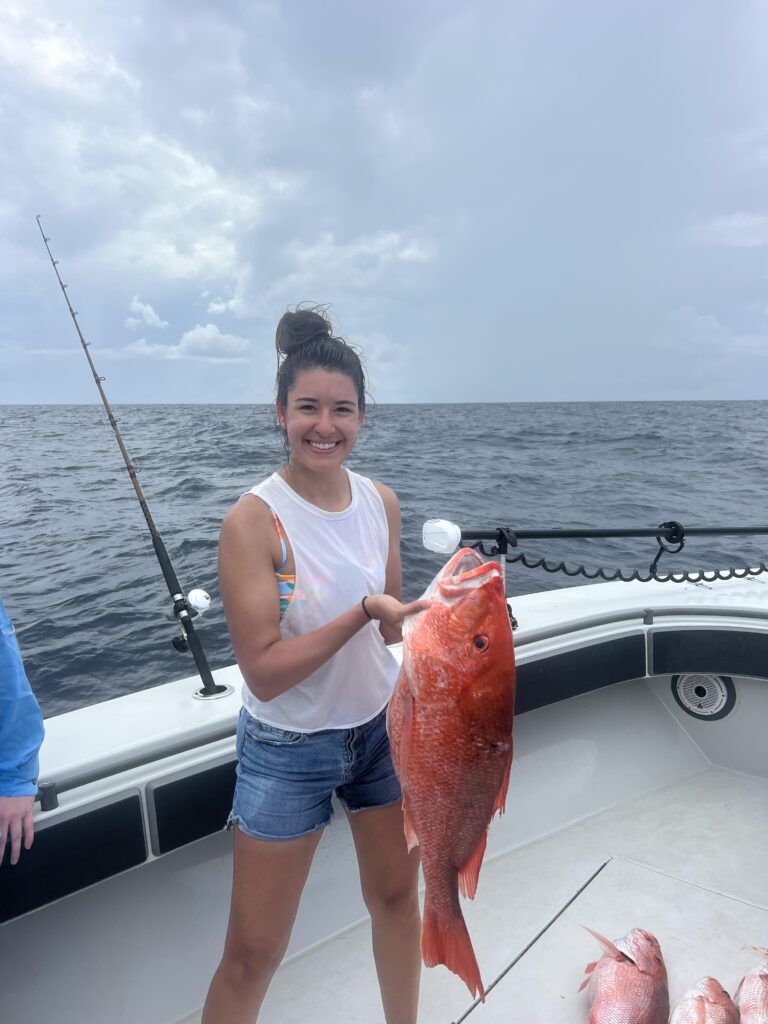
(389, 878)
(267, 881)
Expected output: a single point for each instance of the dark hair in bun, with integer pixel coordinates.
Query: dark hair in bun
(305, 341)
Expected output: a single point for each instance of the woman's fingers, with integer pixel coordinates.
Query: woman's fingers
(29, 829)
(416, 606)
(389, 609)
(14, 834)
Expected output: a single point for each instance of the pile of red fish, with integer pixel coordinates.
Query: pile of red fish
(628, 985)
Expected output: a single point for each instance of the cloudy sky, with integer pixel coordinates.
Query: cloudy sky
(502, 201)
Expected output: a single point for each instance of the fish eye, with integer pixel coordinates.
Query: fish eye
(481, 642)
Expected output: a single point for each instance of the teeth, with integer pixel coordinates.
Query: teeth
(323, 447)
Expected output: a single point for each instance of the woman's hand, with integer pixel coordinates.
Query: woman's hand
(16, 821)
(391, 612)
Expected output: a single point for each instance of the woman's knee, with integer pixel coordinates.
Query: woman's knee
(250, 964)
(392, 900)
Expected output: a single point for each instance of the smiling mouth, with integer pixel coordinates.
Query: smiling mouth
(323, 446)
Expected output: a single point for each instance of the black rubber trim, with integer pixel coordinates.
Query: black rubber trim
(71, 855)
(717, 652)
(560, 676)
(192, 807)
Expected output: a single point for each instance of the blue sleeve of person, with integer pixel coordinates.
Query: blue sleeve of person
(21, 721)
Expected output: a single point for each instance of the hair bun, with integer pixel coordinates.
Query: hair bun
(299, 327)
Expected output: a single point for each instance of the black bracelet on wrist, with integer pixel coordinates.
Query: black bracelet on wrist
(362, 605)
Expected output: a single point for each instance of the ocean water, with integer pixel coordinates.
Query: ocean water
(78, 575)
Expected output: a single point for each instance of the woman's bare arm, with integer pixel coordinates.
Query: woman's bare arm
(269, 664)
(393, 582)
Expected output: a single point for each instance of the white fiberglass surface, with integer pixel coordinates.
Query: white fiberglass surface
(737, 741)
(587, 783)
(686, 862)
(702, 932)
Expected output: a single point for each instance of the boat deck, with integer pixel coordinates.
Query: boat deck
(686, 862)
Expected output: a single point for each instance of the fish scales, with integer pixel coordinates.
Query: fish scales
(628, 985)
(752, 993)
(450, 727)
(706, 1002)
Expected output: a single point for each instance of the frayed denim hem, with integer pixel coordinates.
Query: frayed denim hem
(236, 819)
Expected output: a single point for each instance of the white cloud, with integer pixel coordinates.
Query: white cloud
(328, 264)
(191, 217)
(201, 342)
(145, 314)
(737, 230)
(703, 334)
(54, 55)
(241, 300)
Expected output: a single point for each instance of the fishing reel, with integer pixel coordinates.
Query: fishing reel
(196, 603)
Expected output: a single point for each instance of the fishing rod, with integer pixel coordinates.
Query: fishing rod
(184, 606)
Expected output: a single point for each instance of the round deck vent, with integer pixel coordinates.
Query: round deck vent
(709, 698)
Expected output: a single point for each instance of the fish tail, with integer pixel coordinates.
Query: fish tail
(446, 941)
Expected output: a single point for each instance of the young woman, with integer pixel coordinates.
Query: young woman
(309, 566)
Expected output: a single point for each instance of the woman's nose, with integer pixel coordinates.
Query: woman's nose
(324, 423)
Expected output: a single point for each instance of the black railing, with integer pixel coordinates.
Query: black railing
(671, 537)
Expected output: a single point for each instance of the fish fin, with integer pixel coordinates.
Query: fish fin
(607, 945)
(587, 970)
(736, 993)
(501, 796)
(470, 871)
(410, 832)
(406, 729)
(447, 942)
(701, 1011)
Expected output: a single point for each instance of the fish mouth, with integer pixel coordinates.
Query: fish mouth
(465, 571)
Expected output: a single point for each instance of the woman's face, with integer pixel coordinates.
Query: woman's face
(321, 418)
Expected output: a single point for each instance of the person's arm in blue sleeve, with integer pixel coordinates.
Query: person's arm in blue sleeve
(21, 733)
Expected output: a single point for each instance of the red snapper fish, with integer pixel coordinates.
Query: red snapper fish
(752, 993)
(450, 729)
(628, 984)
(706, 1002)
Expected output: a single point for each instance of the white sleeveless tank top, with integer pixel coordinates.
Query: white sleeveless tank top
(339, 558)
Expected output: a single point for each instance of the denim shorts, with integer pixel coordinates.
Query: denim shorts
(285, 780)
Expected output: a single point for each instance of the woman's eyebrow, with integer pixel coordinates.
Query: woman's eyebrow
(337, 401)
